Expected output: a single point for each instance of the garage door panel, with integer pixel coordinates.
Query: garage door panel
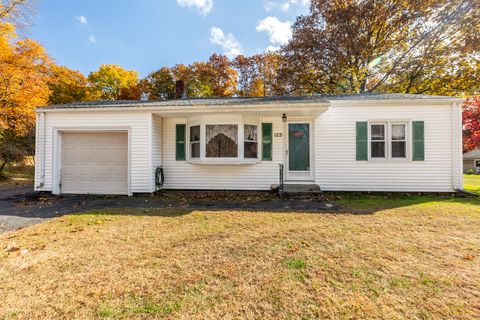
(95, 162)
(112, 155)
(102, 187)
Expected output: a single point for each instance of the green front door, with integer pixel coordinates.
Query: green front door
(299, 147)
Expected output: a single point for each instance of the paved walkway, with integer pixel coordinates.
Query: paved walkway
(21, 207)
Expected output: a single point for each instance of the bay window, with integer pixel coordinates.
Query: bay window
(209, 141)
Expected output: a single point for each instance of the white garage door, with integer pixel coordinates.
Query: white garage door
(95, 162)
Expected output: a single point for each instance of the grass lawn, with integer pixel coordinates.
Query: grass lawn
(412, 257)
(15, 175)
(471, 183)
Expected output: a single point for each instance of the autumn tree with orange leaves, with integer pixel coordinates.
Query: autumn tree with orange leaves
(405, 46)
(24, 77)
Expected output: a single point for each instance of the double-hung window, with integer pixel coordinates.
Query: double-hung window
(378, 141)
(250, 143)
(195, 142)
(399, 140)
(388, 140)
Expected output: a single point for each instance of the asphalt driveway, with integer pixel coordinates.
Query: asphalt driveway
(20, 206)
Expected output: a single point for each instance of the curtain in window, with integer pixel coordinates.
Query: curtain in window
(221, 141)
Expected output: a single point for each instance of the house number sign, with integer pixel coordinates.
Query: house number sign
(278, 135)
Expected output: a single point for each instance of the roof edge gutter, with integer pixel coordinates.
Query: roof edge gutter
(177, 108)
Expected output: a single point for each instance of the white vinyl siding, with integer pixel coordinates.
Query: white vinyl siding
(337, 170)
(185, 175)
(139, 124)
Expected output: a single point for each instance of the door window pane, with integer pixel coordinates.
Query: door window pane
(221, 141)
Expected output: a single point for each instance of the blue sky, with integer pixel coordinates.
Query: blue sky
(147, 34)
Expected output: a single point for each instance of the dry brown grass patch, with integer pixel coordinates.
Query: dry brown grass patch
(418, 261)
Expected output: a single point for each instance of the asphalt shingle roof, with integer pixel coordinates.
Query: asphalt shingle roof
(246, 100)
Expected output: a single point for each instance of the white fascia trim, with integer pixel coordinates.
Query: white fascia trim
(193, 109)
(395, 102)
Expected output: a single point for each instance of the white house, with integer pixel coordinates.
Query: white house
(365, 142)
(471, 161)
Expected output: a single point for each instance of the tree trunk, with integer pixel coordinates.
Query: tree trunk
(2, 167)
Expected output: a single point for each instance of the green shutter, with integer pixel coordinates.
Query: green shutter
(180, 142)
(362, 141)
(267, 141)
(418, 141)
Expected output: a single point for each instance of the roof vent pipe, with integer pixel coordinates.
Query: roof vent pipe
(180, 92)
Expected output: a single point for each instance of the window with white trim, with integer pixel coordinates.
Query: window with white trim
(218, 142)
(377, 141)
(221, 141)
(388, 140)
(399, 140)
(477, 163)
(250, 143)
(195, 142)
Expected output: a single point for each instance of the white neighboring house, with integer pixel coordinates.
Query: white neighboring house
(471, 161)
(364, 142)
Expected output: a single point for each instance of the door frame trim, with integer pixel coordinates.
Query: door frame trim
(287, 176)
(57, 152)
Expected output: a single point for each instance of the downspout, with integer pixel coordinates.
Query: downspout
(457, 164)
(40, 150)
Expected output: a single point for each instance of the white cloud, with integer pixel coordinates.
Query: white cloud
(92, 39)
(279, 32)
(204, 6)
(272, 48)
(284, 5)
(231, 46)
(82, 19)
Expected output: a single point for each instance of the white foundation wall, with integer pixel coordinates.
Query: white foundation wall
(138, 123)
(336, 168)
(184, 175)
